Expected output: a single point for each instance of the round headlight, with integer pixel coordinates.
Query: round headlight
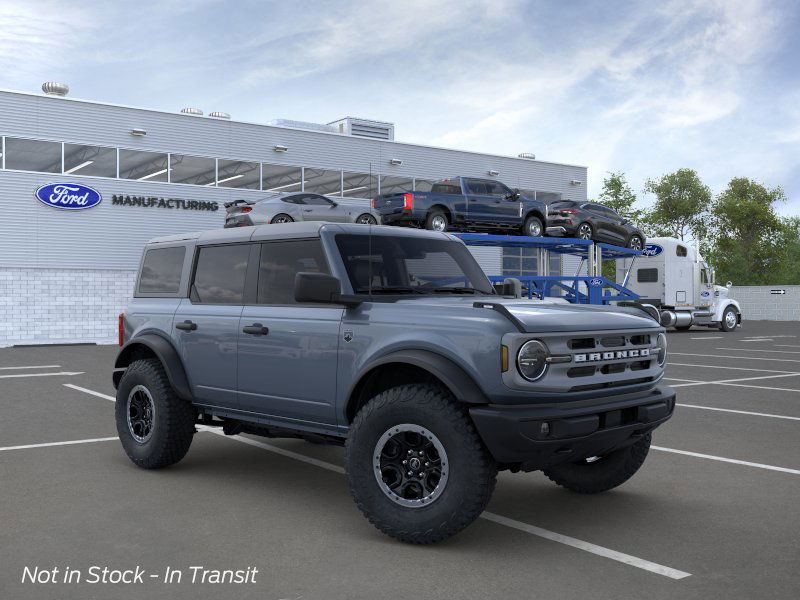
(661, 347)
(531, 360)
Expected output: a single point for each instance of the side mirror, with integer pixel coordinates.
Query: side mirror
(334, 204)
(729, 284)
(320, 288)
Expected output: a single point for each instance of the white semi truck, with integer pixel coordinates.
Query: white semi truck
(673, 277)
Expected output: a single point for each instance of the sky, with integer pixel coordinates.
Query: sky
(639, 87)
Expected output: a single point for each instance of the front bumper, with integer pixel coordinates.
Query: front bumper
(534, 437)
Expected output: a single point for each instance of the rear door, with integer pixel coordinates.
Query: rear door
(480, 202)
(207, 323)
(288, 352)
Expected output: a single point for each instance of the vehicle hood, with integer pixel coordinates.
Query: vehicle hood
(540, 316)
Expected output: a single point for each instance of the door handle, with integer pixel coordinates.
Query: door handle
(255, 329)
(308, 209)
(186, 326)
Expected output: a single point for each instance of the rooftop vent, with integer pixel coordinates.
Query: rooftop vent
(527, 155)
(192, 111)
(51, 88)
(219, 115)
(377, 130)
(302, 125)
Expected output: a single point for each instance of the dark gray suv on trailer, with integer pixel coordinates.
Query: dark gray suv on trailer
(393, 343)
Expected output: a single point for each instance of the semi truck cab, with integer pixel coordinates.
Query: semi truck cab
(672, 276)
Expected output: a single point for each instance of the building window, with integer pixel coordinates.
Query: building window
(322, 181)
(423, 185)
(396, 185)
(359, 185)
(143, 166)
(194, 170)
(279, 178)
(96, 161)
(33, 155)
(238, 174)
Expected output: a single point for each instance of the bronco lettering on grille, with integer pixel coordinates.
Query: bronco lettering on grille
(616, 355)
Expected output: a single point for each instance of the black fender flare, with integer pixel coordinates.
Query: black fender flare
(165, 352)
(460, 384)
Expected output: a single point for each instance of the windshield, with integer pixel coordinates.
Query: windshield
(383, 264)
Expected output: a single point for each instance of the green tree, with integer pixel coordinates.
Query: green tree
(681, 206)
(750, 243)
(617, 194)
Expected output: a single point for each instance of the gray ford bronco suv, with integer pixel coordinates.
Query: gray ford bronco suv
(393, 343)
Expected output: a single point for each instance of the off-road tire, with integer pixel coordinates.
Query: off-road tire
(472, 470)
(434, 214)
(530, 223)
(608, 472)
(173, 426)
(723, 325)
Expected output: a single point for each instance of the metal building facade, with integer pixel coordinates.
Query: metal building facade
(39, 243)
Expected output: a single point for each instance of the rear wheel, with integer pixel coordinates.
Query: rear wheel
(635, 243)
(367, 219)
(281, 218)
(729, 320)
(584, 232)
(533, 227)
(436, 221)
(154, 425)
(601, 473)
(415, 465)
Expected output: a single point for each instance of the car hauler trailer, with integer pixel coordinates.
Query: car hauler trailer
(672, 276)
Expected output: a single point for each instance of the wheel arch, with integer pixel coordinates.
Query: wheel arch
(535, 212)
(151, 345)
(729, 303)
(444, 208)
(411, 366)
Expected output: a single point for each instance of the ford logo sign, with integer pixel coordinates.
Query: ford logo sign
(596, 281)
(652, 250)
(705, 294)
(68, 196)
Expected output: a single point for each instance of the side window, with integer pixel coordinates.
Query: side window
(446, 188)
(476, 186)
(704, 276)
(219, 274)
(280, 262)
(161, 270)
(299, 199)
(681, 250)
(495, 188)
(647, 275)
(316, 200)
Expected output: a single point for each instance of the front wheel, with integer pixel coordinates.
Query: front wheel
(416, 467)
(533, 227)
(729, 320)
(600, 473)
(154, 425)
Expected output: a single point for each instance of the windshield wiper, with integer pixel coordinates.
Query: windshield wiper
(397, 289)
(457, 290)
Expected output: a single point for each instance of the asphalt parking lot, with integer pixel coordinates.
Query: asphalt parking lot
(714, 512)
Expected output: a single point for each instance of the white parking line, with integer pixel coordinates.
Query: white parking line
(727, 460)
(513, 523)
(739, 412)
(759, 340)
(747, 358)
(49, 444)
(67, 373)
(32, 367)
(725, 367)
(727, 381)
(92, 392)
(708, 337)
(749, 350)
(787, 345)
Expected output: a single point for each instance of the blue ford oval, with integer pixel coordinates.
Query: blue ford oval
(68, 196)
(652, 250)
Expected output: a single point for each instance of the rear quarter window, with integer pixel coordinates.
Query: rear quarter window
(161, 271)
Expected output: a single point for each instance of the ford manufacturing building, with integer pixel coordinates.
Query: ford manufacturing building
(65, 275)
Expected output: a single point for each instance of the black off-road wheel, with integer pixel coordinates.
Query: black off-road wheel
(154, 425)
(601, 473)
(416, 467)
(436, 220)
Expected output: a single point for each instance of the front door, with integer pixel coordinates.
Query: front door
(320, 208)
(207, 323)
(288, 352)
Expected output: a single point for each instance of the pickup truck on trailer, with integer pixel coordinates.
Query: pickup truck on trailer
(465, 204)
(393, 343)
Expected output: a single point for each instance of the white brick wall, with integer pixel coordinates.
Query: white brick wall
(50, 306)
(758, 304)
